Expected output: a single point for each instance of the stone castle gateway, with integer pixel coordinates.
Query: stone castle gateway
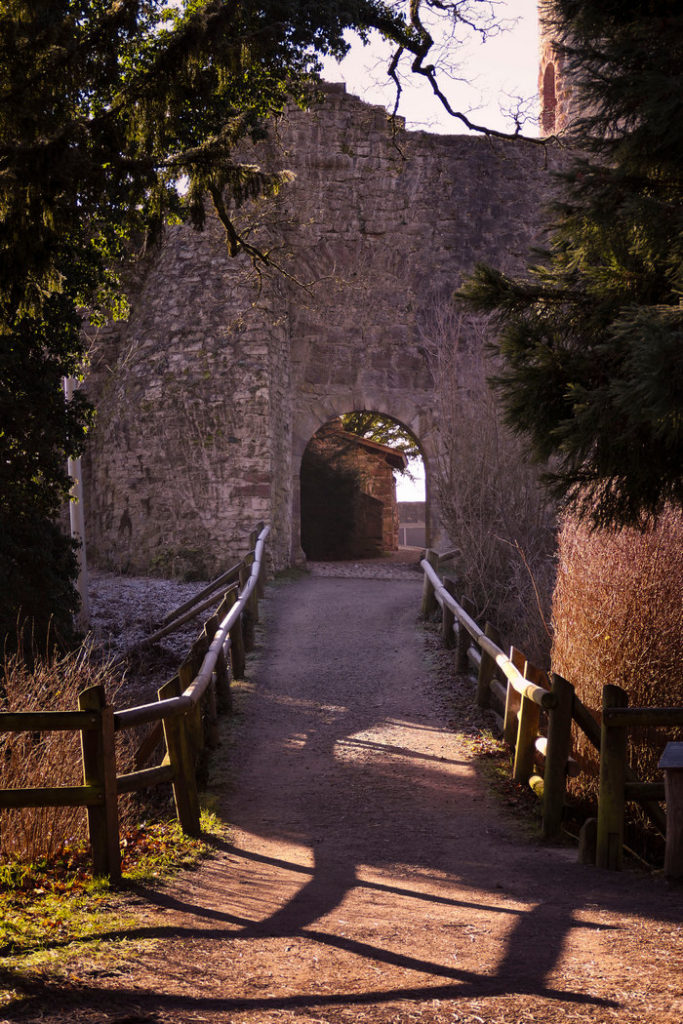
(209, 394)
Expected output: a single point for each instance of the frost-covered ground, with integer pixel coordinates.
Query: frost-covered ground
(124, 610)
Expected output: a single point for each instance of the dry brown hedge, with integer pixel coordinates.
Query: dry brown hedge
(618, 618)
(48, 758)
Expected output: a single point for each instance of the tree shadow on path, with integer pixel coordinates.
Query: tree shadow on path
(362, 832)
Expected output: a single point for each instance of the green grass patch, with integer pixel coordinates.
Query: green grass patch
(52, 911)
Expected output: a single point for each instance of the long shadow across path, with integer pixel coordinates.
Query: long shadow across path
(370, 876)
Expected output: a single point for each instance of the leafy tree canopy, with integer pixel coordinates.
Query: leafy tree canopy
(591, 339)
(382, 430)
(116, 115)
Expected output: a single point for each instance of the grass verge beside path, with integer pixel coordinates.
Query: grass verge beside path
(51, 912)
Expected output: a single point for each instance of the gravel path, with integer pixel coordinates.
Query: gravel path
(369, 875)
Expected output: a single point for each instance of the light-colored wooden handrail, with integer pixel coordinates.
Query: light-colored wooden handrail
(156, 711)
(199, 684)
(97, 722)
(193, 693)
(531, 691)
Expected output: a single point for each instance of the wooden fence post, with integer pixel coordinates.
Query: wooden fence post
(611, 799)
(672, 763)
(247, 617)
(527, 731)
(463, 642)
(182, 762)
(429, 602)
(99, 769)
(193, 719)
(557, 755)
(447, 616)
(252, 603)
(237, 652)
(210, 699)
(513, 701)
(261, 579)
(487, 667)
(222, 694)
(223, 691)
(588, 835)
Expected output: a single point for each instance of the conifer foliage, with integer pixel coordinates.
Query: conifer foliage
(591, 338)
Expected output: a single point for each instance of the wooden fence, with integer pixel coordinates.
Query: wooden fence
(535, 712)
(184, 716)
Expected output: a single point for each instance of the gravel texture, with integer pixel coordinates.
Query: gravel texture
(369, 874)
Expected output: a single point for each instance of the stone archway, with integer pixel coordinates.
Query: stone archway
(426, 442)
(349, 508)
(209, 394)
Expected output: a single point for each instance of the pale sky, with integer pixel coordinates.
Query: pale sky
(411, 490)
(489, 73)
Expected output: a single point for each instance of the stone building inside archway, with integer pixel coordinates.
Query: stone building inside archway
(348, 496)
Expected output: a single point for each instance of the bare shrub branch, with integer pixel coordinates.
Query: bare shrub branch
(49, 758)
(492, 504)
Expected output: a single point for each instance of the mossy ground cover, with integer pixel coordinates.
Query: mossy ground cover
(54, 914)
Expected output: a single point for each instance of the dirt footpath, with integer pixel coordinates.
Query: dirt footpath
(370, 876)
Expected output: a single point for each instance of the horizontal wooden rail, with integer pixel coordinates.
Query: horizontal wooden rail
(573, 767)
(47, 721)
(528, 691)
(187, 728)
(211, 589)
(133, 781)
(617, 781)
(632, 717)
(130, 717)
(55, 796)
(544, 698)
(197, 687)
(640, 791)
(156, 711)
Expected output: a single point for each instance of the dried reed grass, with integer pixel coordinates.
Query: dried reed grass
(48, 758)
(618, 618)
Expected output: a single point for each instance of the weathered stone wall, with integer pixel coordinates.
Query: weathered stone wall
(210, 393)
(181, 457)
(560, 101)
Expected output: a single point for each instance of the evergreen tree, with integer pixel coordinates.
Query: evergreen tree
(591, 338)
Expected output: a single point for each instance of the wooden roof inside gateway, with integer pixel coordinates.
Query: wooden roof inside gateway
(395, 458)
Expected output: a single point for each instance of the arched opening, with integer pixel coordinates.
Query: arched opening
(348, 487)
(548, 100)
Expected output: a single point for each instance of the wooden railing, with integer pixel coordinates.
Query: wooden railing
(535, 712)
(617, 784)
(184, 716)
